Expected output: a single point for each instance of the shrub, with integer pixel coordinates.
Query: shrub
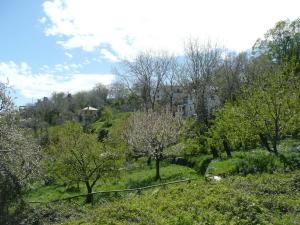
(192, 147)
(102, 134)
(290, 160)
(259, 162)
(11, 203)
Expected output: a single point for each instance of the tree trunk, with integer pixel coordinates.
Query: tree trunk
(171, 103)
(89, 197)
(227, 147)
(264, 142)
(157, 177)
(202, 110)
(214, 152)
(276, 136)
(153, 105)
(275, 146)
(149, 161)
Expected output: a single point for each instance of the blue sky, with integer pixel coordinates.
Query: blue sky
(70, 45)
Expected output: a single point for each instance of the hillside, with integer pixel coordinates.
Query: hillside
(255, 199)
(205, 136)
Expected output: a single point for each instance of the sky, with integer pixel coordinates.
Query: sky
(50, 46)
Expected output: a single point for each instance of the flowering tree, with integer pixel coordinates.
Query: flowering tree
(149, 134)
(19, 160)
(18, 152)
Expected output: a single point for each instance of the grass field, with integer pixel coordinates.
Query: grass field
(127, 179)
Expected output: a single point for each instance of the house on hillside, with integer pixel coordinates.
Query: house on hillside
(184, 101)
(88, 114)
(187, 106)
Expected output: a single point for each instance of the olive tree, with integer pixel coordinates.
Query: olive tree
(149, 134)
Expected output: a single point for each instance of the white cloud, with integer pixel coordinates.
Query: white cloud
(43, 20)
(134, 25)
(69, 55)
(108, 55)
(31, 85)
(63, 68)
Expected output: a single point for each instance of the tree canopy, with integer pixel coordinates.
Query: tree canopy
(79, 157)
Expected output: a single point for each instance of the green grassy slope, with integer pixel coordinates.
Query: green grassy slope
(127, 179)
(255, 199)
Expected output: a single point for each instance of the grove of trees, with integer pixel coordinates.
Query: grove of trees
(242, 101)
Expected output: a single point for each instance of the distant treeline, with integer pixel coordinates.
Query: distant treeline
(210, 75)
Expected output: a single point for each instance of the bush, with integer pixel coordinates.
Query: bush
(290, 160)
(192, 147)
(290, 154)
(102, 134)
(51, 213)
(259, 162)
(11, 203)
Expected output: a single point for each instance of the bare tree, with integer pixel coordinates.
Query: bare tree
(256, 67)
(118, 90)
(171, 84)
(98, 95)
(149, 134)
(231, 75)
(144, 76)
(202, 63)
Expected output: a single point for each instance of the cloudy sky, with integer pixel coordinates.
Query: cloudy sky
(70, 45)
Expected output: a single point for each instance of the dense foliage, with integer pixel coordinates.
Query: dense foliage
(78, 157)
